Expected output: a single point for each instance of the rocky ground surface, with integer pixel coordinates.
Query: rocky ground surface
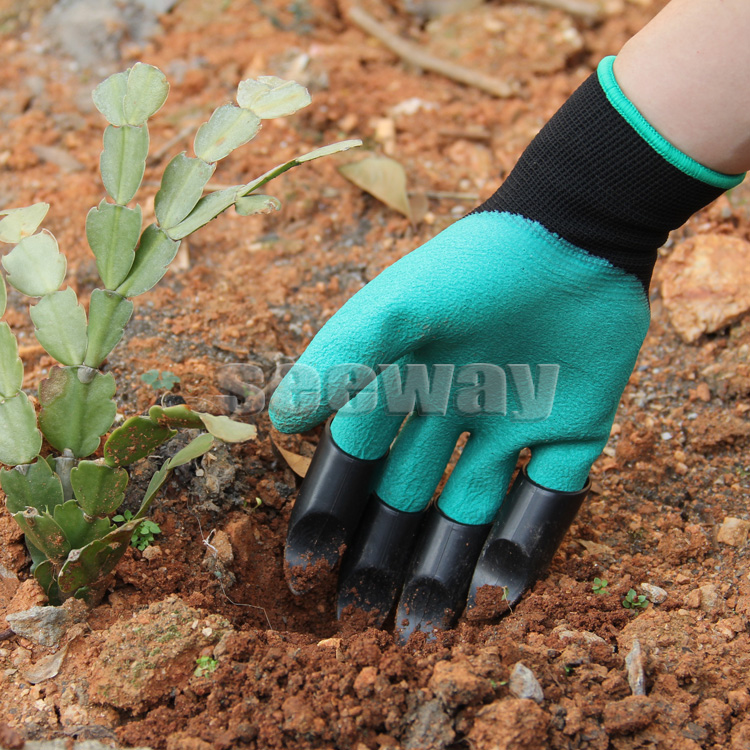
(197, 643)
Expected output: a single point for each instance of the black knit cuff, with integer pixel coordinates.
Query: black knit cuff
(591, 179)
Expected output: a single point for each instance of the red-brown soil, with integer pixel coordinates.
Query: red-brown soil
(254, 290)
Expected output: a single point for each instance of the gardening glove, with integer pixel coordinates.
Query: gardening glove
(519, 326)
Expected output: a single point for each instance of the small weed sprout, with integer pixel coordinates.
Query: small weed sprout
(600, 586)
(143, 535)
(633, 600)
(205, 665)
(64, 501)
(252, 508)
(164, 380)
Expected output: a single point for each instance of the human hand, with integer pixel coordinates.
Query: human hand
(518, 325)
(494, 328)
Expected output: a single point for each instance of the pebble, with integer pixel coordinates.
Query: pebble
(43, 625)
(523, 683)
(707, 598)
(733, 532)
(705, 284)
(6, 573)
(654, 594)
(634, 665)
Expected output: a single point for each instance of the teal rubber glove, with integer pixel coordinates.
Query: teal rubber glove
(493, 288)
(523, 322)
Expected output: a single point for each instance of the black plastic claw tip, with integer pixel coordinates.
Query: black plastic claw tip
(325, 516)
(529, 528)
(374, 565)
(435, 590)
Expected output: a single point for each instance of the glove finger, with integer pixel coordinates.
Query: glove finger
(478, 484)
(371, 329)
(417, 462)
(366, 425)
(563, 466)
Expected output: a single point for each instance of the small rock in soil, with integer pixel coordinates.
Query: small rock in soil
(43, 625)
(219, 557)
(5, 573)
(629, 714)
(9, 738)
(429, 726)
(734, 531)
(705, 284)
(634, 665)
(523, 683)
(46, 668)
(143, 659)
(655, 594)
(510, 724)
(741, 736)
(456, 684)
(707, 598)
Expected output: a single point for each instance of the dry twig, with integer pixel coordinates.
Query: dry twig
(413, 54)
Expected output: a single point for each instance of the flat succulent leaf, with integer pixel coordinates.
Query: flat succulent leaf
(227, 429)
(146, 91)
(269, 96)
(175, 416)
(99, 489)
(21, 222)
(181, 188)
(194, 449)
(156, 483)
(38, 488)
(123, 161)
(257, 204)
(383, 178)
(78, 530)
(136, 438)
(112, 232)
(37, 556)
(20, 440)
(60, 326)
(11, 367)
(108, 98)
(109, 313)
(93, 562)
(44, 533)
(206, 209)
(3, 296)
(155, 252)
(332, 148)
(228, 128)
(74, 414)
(35, 266)
(44, 573)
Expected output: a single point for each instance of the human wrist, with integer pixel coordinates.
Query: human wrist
(591, 178)
(670, 152)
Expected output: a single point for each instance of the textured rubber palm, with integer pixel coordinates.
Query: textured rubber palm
(493, 288)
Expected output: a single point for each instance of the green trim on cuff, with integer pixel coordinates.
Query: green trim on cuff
(658, 142)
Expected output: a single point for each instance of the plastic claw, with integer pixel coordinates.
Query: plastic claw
(529, 528)
(325, 516)
(435, 590)
(374, 565)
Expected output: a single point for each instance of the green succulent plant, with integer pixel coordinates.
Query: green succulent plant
(160, 380)
(65, 502)
(633, 600)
